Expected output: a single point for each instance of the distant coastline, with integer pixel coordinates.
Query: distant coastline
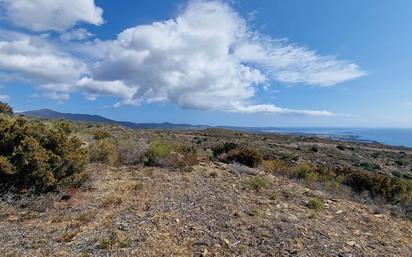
(388, 136)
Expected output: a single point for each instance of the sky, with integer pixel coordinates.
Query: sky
(277, 63)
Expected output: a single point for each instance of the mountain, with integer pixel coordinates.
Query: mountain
(54, 115)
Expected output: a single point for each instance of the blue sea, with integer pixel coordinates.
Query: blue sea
(387, 136)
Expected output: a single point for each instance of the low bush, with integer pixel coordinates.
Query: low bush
(245, 156)
(38, 155)
(131, 152)
(258, 183)
(165, 154)
(231, 152)
(306, 172)
(99, 134)
(223, 148)
(104, 151)
(315, 204)
(5, 109)
(275, 166)
(393, 189)
(367, 166)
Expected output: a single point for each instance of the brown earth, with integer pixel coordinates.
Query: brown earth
(211, 211)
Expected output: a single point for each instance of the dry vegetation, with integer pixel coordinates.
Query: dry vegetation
(197, 193)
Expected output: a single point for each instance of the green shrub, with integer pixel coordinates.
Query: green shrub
(276, 166)
(5, 166)
(38, 155)
(104, 151)
(315, 204)
(100, 134)
(306, 172)
(223, 148)
(165, 154)
(157, 151)
(393, 189)
(5, 109)
(245, 156)
(231, 152)
(258, 183)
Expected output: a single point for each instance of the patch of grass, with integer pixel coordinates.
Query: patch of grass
(67, 236)
(276, 195)
(258, 183)
(112, 199)
(315, 204)
(255, 212)
(114, 240)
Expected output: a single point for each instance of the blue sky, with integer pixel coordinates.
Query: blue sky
(247, 63)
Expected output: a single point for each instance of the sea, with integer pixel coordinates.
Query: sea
(387, 136)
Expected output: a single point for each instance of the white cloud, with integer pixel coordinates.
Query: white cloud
(268, 108)
(95, 88)
(4, 98)
(76, 34)
(408, 104)
(58, 15)
(37, 61)
(207, 58)
(290, 63)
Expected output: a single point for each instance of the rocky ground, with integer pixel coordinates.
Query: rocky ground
(212, 211)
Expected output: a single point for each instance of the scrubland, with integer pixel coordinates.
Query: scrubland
(79, 189)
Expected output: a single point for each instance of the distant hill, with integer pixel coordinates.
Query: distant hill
(54, 115)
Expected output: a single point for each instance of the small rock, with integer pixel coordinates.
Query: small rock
(205, 252)
(227, 242)
(339, 212)
(13, 218)
(351, 243)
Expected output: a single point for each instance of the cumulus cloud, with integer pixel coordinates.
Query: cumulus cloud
(37, 61)
(57, 15)
(208, 58)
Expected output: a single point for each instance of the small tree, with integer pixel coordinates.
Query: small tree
(6, 108)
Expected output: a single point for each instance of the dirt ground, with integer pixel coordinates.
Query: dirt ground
(211, 211)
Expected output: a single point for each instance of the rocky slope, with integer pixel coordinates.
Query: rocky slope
(215, 210)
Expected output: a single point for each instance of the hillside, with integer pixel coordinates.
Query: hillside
(54, 115)
(218, 192)
(211, 211)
